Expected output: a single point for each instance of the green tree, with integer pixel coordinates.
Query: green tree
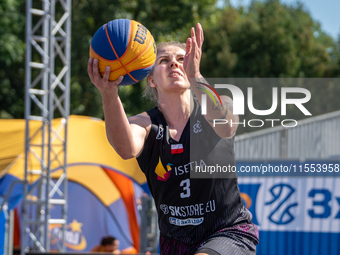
(333, 69)
(166, 20)
(272, 40)
(12, 52)
(269, 39)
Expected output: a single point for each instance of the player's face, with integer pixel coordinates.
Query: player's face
(169, 73)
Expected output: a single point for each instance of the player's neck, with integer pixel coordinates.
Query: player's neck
(176, 110)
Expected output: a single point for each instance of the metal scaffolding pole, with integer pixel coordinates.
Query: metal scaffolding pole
(47, 86)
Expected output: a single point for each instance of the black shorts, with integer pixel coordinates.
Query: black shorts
(239, 239)
(224, 245)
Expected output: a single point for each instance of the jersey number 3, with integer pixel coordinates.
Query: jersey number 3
(186, 188)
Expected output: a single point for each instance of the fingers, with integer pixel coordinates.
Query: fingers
(107, 76)
(187, 52)
(193, 33)
(99, 81)
(95, 68)
(107, 73)
(200, 36)
(89, 68)
(93, 71)
(193, 39)
(196, 40)
(188, 46)
(193, 52)
(119, 80)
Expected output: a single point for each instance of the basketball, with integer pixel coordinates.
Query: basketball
(127, 47)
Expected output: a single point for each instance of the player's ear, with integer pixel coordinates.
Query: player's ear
(152, 82)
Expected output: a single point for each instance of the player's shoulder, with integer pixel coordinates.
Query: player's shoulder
(142, 119)
(226, 99)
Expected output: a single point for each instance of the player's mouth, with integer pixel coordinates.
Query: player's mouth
(174, 74)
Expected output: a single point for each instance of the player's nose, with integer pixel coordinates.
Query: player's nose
(173, 63)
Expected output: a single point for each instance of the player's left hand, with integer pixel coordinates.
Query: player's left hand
(193, 53)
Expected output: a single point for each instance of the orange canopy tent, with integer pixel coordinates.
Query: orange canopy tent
(93, 165)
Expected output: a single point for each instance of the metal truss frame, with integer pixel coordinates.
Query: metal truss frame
(47, 86)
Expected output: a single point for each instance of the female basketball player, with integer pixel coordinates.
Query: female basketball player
(196, 216)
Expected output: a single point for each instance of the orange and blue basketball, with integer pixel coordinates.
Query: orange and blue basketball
(127, 47)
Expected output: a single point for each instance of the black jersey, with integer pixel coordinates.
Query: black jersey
(189, 210)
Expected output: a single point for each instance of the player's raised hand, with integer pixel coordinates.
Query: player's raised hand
(102, 83)
(193, 54)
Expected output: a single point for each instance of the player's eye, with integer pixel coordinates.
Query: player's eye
(164, 60)
(181, 59)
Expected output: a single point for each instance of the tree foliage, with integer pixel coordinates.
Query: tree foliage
(267, 39)
(12, 62)
(272, 40)
(164, 19)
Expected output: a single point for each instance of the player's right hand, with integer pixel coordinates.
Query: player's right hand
(102, 83)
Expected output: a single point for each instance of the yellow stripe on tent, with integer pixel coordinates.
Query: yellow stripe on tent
(87, 143)
(94, 179)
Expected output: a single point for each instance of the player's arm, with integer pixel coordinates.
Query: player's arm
(125, 136)
(216, 107)
(218, 110)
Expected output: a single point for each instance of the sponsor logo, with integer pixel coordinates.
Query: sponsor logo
(74, 237)
(164, 208)
(160, 133)
(197, 127)
(296, 203)
(281, 214)
(186, 222)
(183, 169)
(141, 34)
(189, 210)
(162, 173)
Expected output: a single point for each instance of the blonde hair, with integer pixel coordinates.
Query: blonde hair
(150, 92)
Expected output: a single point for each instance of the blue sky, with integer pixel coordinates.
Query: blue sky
(327, 12)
